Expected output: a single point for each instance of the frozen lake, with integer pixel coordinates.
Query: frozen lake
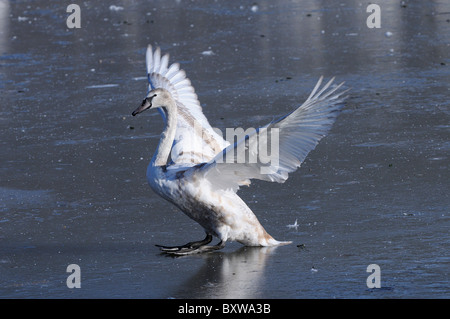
(73, 159)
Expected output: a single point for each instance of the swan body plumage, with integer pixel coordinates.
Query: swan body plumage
(198, 171)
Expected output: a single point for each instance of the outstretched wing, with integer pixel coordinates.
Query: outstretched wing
(195, 140)
(279, 148)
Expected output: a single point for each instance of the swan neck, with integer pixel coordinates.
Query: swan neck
(162, 155)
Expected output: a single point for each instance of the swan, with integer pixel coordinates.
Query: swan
(200, 172)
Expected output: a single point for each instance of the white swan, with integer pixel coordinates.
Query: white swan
(192, 167)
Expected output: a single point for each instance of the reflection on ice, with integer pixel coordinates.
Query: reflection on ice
(238, 274)
(101, 86)
(4, 26)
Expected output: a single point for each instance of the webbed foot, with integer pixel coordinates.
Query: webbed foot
(195, 247)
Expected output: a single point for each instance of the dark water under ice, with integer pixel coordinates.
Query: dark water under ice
(73, 159)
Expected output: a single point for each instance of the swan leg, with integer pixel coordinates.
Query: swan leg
(189, 246)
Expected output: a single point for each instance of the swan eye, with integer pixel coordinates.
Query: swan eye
(148, 99)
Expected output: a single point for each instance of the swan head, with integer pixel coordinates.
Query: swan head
(154, 99)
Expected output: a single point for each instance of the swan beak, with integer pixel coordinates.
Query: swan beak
(145, 105)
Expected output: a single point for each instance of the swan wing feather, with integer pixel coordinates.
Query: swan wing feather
(290, 138)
